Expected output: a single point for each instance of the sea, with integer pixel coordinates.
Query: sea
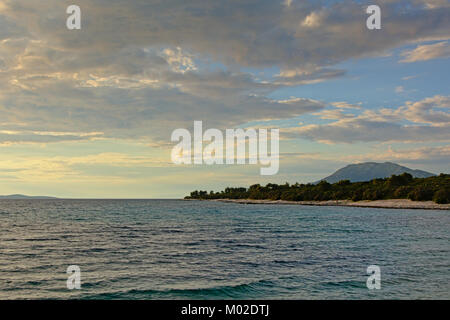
(175, 249)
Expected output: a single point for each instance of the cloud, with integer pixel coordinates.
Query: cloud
(434, 111)
(425, 120)
(314, 19)
(427, 52)
(291, 77)
(345, 105)
(140, 69)
(399, 89)
(247, 33)
(439, 154)
(160, 89)
(115, 167)
(333, 115)
(362, 130)
(409, 78)
(288, 3)
(434, 3)
(221, 100)
(11, 137)
(179, 61)
(250, 33)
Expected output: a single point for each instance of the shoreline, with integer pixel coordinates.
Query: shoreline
(381, 204)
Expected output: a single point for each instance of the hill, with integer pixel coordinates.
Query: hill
(21, 196)
(372, 170)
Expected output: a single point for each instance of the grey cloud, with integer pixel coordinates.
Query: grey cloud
(247, 32)
(362, 130)
(142, 111)
(32, 137)
(428, 121)
(439, 154)
(113, 75)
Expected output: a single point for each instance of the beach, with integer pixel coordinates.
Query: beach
(386, 204)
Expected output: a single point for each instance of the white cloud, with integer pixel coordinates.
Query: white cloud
(432, 4)
(346, 105)
(288, 3)
(425, 120)
(434, 111)
(427, 52)
(313, 20)
(409, 78)
(309, 75)
(399, 89)
(333, 115)
(179, 61)
(437, 155)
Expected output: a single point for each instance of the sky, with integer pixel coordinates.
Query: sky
(89, 113)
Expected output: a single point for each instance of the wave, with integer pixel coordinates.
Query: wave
(219, 292)
(347, 284)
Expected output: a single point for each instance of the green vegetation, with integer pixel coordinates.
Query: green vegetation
(404, 186)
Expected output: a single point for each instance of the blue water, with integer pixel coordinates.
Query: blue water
(169, 249)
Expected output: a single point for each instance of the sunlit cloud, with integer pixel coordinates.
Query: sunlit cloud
(427, 52)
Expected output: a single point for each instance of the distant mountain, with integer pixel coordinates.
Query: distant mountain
(21, 196)
(372, 170)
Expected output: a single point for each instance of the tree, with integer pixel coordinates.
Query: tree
(400, 180)
(420, 193)
(344, 183)
(401, 192)
(434, 188)
(442, 196)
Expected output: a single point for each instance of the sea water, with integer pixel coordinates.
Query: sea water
(174, 249)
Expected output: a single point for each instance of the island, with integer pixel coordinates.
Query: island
(24, 197)
(397, 191)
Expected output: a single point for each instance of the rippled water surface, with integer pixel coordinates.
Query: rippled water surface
(169, 249)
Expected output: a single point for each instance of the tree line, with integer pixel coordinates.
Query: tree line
(404, 186)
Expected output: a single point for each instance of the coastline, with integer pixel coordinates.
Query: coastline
(384, 204)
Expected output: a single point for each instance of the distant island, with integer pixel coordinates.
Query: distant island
(402, 186)
(372, 170)
(21, 196)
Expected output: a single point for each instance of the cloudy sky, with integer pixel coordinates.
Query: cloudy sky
(90, 112)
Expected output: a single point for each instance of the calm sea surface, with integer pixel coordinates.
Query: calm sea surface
(169, 249)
